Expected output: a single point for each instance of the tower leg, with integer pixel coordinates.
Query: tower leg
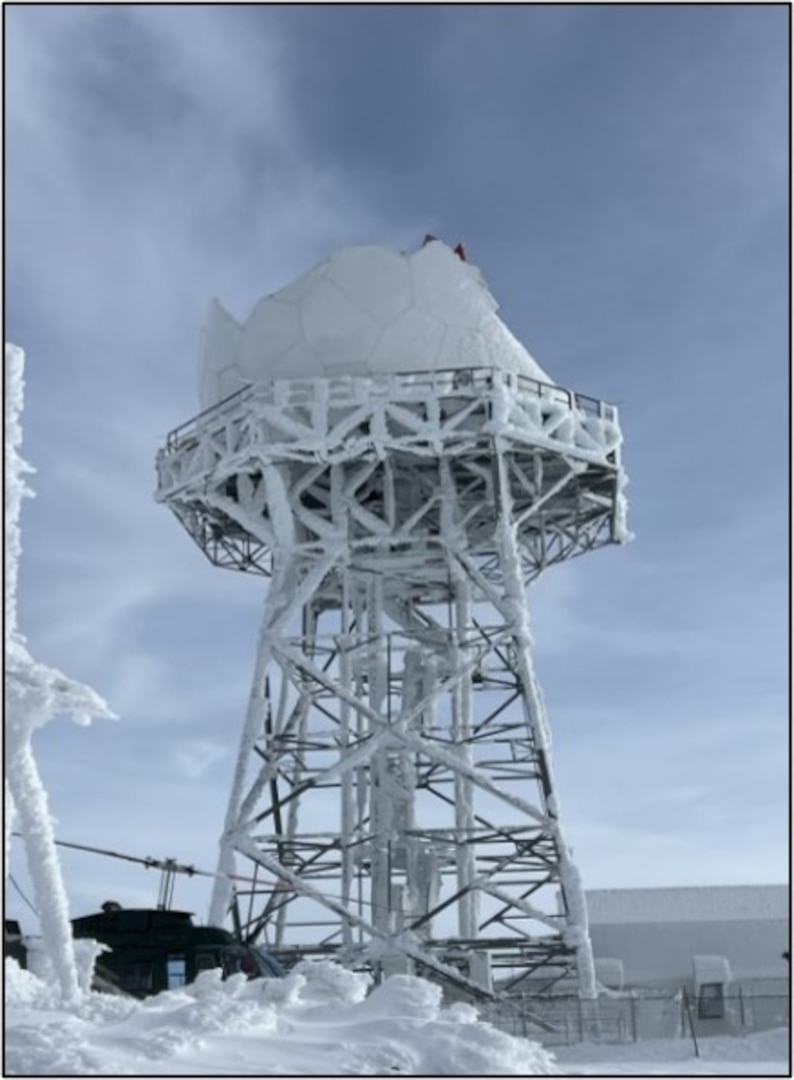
(515, 610)
(290, 591)
(252, 730)
(464, 794)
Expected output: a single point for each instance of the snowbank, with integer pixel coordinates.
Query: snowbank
(320, 1020)
(323, 1021)
(763, 1054)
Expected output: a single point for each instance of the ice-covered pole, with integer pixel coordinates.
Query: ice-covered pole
(34, 694)
(15, 487)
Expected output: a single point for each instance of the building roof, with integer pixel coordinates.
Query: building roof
(699, 903)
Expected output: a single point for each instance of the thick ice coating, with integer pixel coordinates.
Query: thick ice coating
(364, 311)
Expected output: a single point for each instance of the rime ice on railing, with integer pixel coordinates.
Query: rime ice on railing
(34, 694)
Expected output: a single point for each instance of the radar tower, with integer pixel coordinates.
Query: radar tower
(379, 447)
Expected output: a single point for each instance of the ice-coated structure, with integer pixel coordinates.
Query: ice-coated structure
(377, 443)
(364, 311)
(34, 695)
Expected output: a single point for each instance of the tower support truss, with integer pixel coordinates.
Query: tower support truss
(394, 795)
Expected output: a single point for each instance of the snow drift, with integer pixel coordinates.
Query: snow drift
(320, 1020)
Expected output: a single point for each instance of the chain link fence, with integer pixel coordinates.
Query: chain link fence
(562, 1020)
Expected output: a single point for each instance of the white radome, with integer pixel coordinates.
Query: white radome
(364, 311)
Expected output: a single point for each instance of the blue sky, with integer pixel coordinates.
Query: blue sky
(620, 175)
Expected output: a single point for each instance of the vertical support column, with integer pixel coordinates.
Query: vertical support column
(252, 729)
(414, 855)
(278, 603)
(462, 730)
(381, 807)
(577, 934)
(461, 618)
(363, 773)
(344, 642)
(309, 620)
(292, 591)
(346, 794)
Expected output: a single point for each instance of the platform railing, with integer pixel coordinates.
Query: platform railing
(446, 383)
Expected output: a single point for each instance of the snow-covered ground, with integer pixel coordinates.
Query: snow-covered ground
(322, 1020)
(764, 1054)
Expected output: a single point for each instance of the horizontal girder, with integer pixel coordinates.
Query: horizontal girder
(375, 452)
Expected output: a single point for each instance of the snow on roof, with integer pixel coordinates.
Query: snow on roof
(364, 311)
(706, 903)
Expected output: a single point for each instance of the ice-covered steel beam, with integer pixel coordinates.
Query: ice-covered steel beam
(34, 695)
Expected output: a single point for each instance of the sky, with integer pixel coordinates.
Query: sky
(619, 174)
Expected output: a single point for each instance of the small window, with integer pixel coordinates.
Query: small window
(176, 972)
(711, 1001)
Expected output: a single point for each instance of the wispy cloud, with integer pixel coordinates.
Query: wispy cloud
(623, 193)
(127, 220)
(135, 201)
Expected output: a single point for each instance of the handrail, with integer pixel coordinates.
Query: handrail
(460, 378)
(218, 408)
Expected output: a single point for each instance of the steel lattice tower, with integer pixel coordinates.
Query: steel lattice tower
(394, 794)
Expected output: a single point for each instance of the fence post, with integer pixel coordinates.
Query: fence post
(581, 1023)
(633, 1004)
(742, 1018)
(691, 1023)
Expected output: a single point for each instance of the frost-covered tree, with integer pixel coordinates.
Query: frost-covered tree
(34, 694)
